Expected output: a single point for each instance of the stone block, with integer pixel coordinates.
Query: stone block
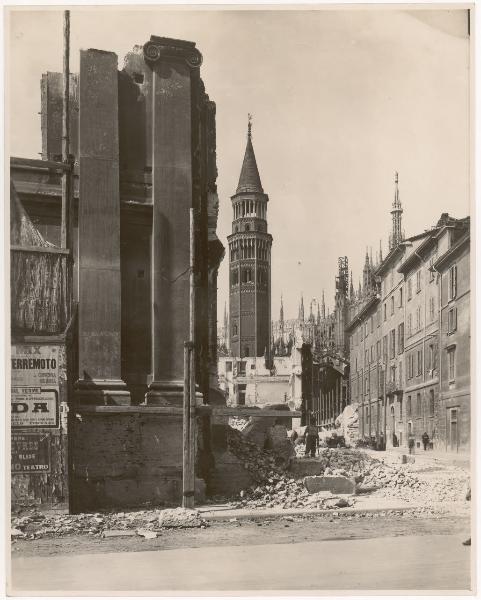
(300, 467)
(334, 484)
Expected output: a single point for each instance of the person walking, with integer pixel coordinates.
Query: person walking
(425, 439)
(411, 443)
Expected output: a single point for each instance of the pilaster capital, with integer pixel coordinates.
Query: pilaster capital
(161, 48)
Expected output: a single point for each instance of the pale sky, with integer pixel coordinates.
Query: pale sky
(341, 100)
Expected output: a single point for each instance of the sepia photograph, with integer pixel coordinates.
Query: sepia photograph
(239, 325)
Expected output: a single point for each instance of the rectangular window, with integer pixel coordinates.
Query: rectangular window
(400, 374)
(418, 318)
(378, 317)
(452, 320)
(418, 405)
(361, 329)
(409, 407)
(410, 289)
(400, 338)
(385, 311)
(400, 409)
(393, 374)
(410, 324)
(451, 363)
(228, 366)
(400, 297)
(452, 282)
(378, 350)
(418, 281)
(420, 362)
(431, 403)
(384, 349)
(392, 343)
(242, 367)
(372, 353)
(392, 305)
(411, 365)
(366, 330)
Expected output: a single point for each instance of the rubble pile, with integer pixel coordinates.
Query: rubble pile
(274, 487)
(35, 525)
(405, 483)
(238, 423)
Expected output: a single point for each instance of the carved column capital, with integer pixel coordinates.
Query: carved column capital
(159, 48)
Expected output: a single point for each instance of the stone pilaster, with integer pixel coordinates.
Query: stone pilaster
(100, 379)
(172, 63)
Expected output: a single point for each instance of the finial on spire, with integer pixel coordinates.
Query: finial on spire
(249, 125)
(396, 177)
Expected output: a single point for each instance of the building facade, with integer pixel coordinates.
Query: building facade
(396, 330)
(452, 268)
(249, 263)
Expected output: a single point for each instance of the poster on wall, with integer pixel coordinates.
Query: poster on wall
(34, 366)
(30, 453)
(34, 407)
(35, 386)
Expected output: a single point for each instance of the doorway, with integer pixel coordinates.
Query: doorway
(453, 439)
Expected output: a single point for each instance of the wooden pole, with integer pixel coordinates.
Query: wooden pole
(192, 425)
(186, 427)
(65, 219)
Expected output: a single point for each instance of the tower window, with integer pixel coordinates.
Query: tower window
(247, 227)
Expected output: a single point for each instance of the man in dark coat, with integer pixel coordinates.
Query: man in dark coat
(425, 439)
(312, 440)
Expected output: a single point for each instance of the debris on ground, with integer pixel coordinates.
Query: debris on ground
(275, 487)
(34, 524)
(238, 423)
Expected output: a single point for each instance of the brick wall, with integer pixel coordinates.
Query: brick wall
(127, 459)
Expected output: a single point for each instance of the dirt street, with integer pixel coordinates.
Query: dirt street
(275, 531)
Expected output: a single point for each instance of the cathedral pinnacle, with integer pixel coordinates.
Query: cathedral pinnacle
(397, 234)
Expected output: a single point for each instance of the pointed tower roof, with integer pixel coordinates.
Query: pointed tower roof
(249, 180)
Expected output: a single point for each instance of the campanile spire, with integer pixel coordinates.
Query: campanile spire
(250, 262)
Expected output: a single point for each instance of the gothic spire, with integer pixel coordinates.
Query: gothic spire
(249, 180)
(397, 235)
(281, 312)
(301, 309)
(351, 289)
(323, 306)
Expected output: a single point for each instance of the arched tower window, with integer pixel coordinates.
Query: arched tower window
(248, 227)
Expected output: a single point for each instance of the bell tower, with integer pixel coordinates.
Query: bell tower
(249, 262)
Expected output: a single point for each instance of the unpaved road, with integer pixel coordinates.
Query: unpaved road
(275, 531)
(410, 562)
